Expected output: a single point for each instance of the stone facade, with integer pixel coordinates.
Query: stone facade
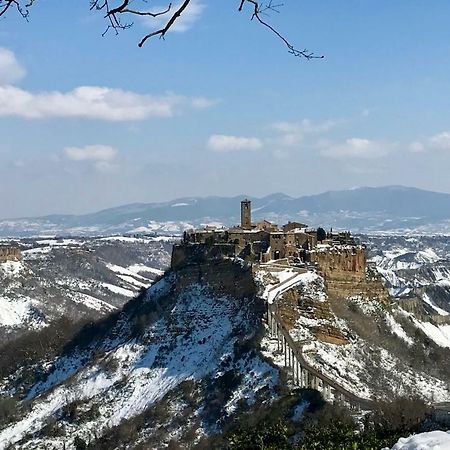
(8, 253)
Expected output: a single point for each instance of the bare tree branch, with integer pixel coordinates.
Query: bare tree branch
(21, 7)
(258, 9)
(162, 32)
(115, 10)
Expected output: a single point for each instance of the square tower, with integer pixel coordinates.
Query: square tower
(246, 214)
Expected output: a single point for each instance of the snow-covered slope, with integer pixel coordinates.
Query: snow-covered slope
(165, 343)
(76, 278)
(185, 358)
(371, 349)
(433, 440)
(417, 272)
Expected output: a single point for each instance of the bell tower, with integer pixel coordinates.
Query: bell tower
(246, 214)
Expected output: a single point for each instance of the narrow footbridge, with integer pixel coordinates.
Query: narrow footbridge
(303, 374)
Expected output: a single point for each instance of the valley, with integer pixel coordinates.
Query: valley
(75, 278)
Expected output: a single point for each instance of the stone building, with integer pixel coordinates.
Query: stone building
(291, 226)
(246, 214)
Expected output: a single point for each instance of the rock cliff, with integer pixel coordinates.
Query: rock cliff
(8, 253)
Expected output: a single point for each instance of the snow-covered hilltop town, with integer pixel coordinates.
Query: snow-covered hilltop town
(318, 288)
(293, 244)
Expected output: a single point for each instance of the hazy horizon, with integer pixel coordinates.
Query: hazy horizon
(206, 195)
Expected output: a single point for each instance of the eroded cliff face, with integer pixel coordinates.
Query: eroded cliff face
(346, 274)
(213, 266)
(294, 305)
(8, 253)
(338, 262)
(343, 285)
(222, 276)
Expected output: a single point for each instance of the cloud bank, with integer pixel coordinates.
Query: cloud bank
(439, 141)
(226, 143)
(86, 102)
(357, 148)
(93, 102)
(292, 133)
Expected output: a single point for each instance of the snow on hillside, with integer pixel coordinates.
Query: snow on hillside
(415, 269)
(195, 340)
(360, 362)
(78, 278)
(398, 330)
(351, 366)
(440, 334)
(17, 312)
(433, 440)
(12, 268)
(189, 335)
(417, 273)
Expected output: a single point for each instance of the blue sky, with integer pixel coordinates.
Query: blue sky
(220, 107)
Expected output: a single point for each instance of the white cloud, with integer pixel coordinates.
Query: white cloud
(305, 126)
(93, 102)
(101, 156)
(90, 102)
(225, 143)
(10, 69)
(184, 23)
(441, 141)
(281, 154)
(357, 148)
(294, 132)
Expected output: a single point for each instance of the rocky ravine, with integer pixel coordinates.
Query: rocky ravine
(75, 278)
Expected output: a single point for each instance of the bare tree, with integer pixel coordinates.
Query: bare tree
(21, 6)
(120, 15)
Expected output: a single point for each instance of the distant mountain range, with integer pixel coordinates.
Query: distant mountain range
(363, 209)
